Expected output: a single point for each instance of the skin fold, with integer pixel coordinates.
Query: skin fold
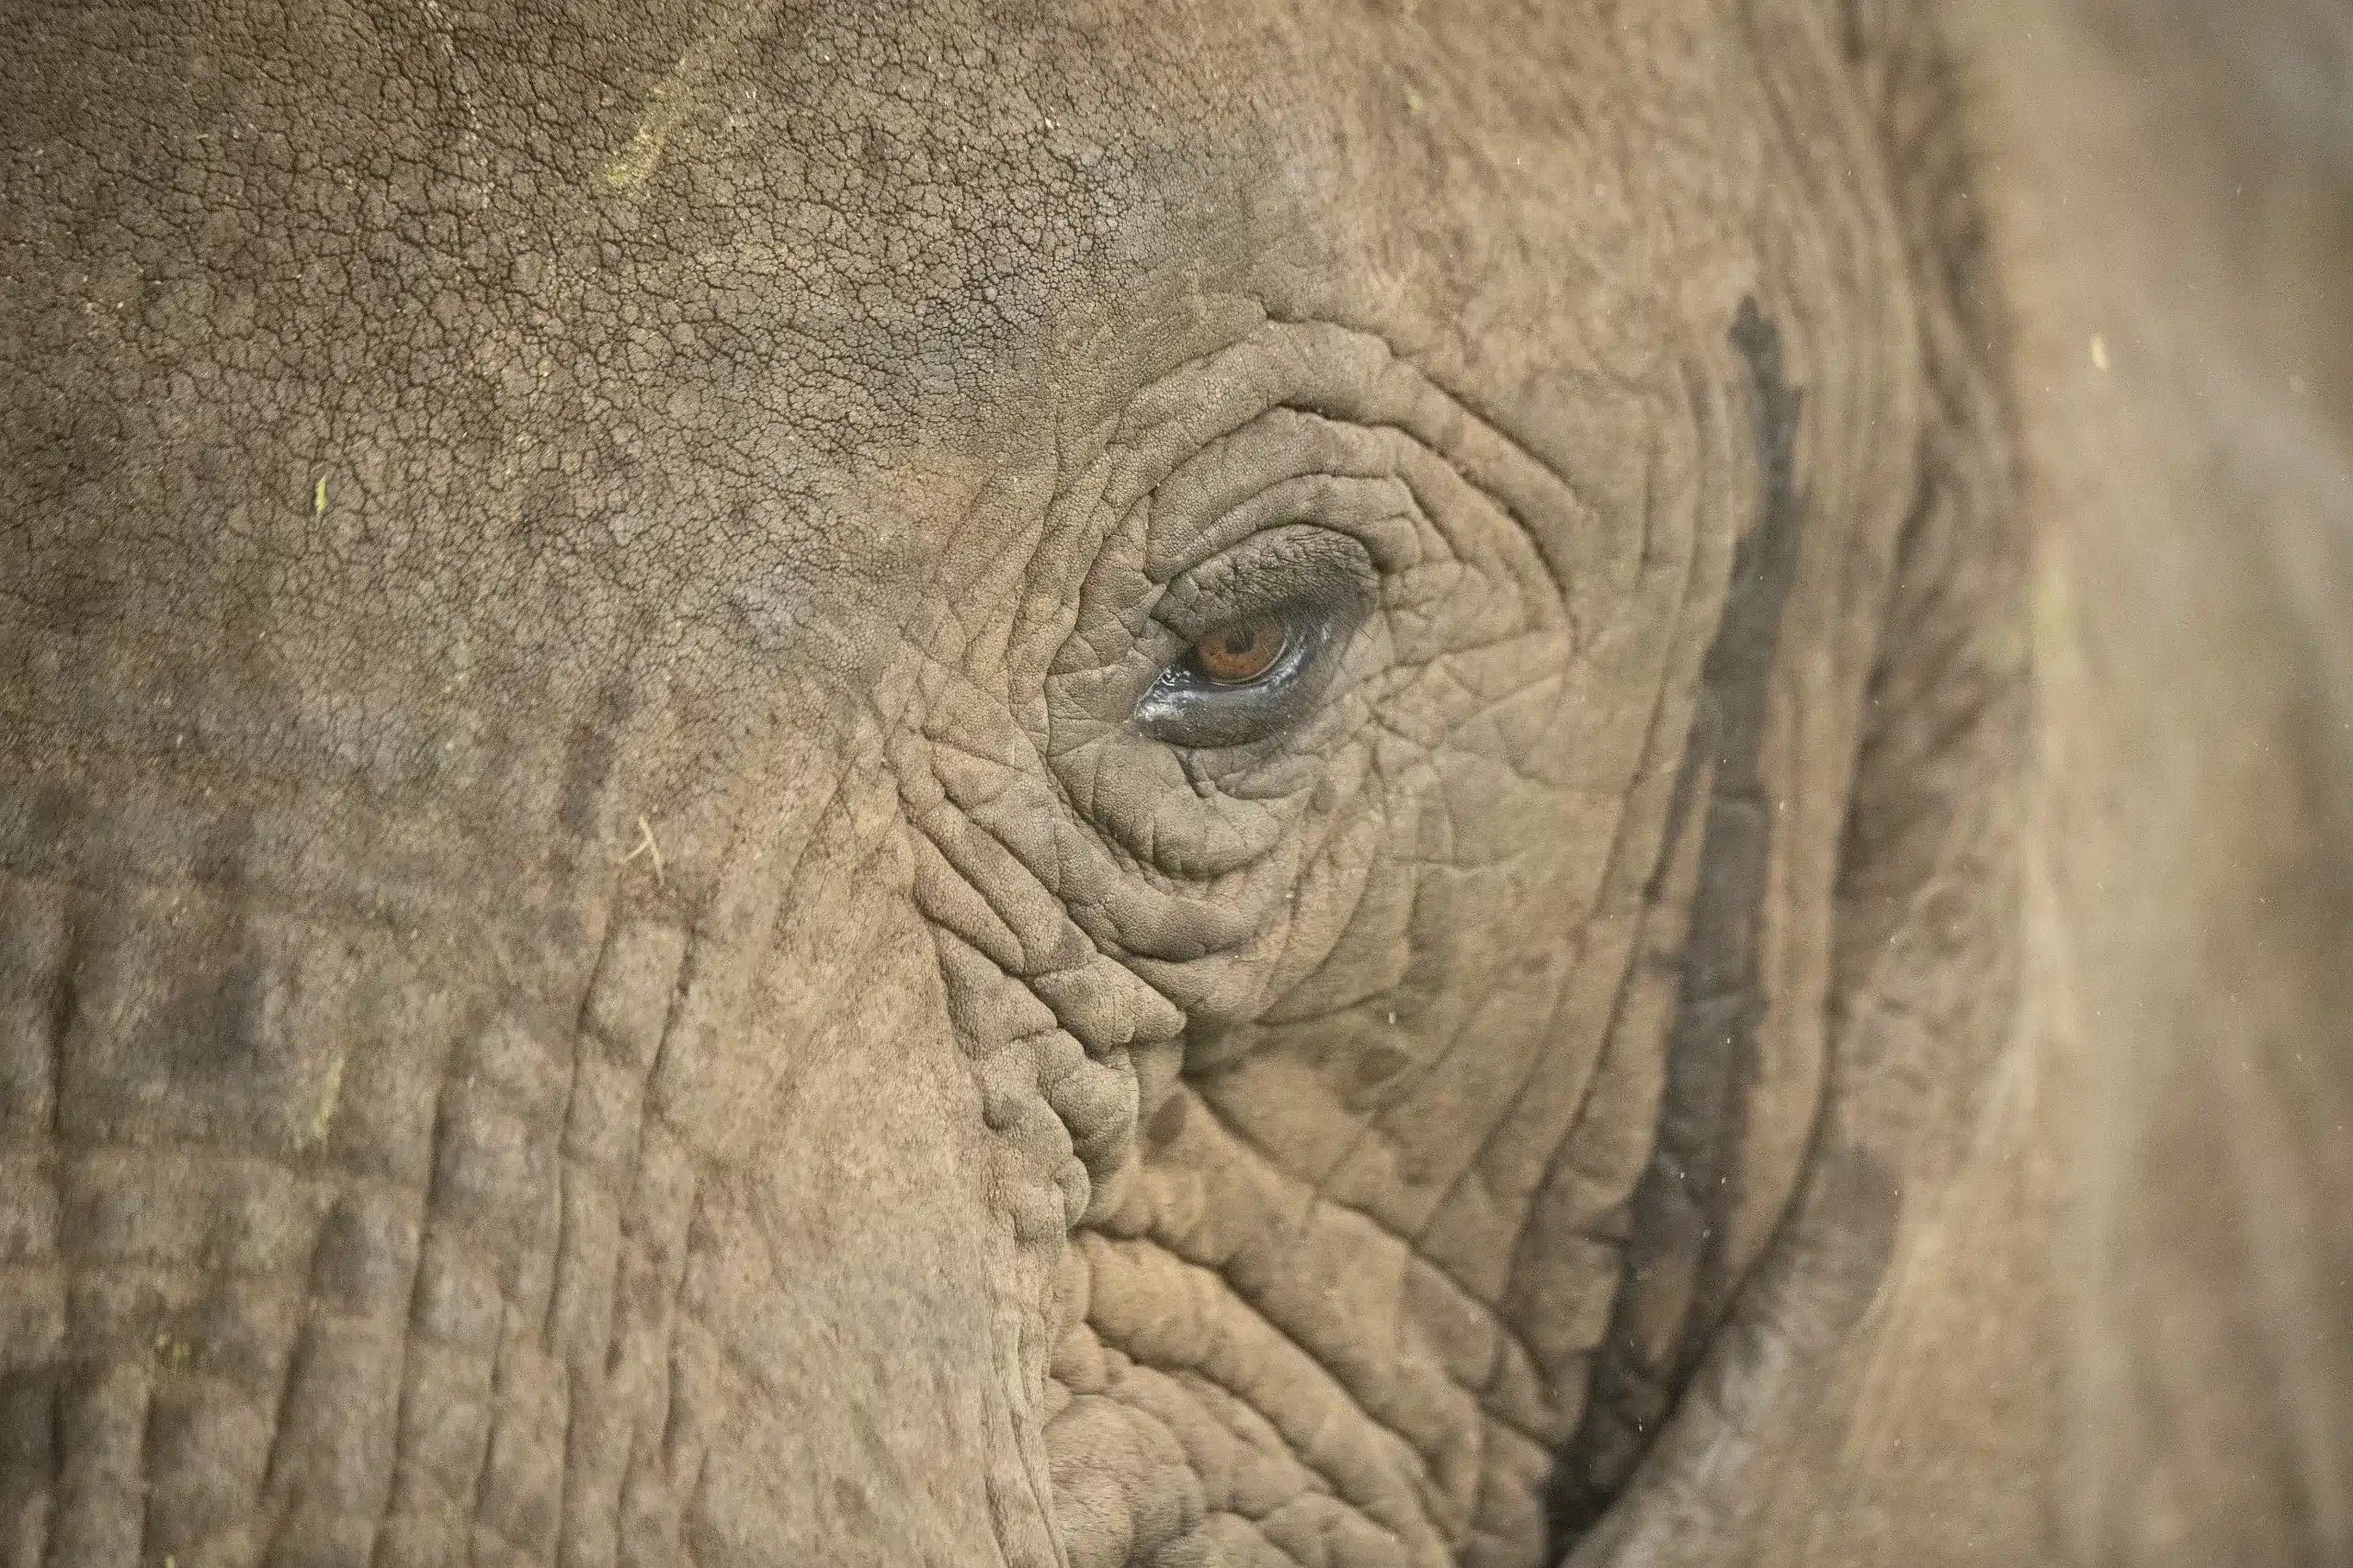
(633, 929)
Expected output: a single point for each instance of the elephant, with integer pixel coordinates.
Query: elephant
(1322, 782)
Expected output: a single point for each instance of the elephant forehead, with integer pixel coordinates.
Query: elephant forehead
(938, 229)
(565, 340)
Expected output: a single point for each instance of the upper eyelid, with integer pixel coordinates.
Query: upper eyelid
(1198, 505)
(1377, 510)
(1295, 569)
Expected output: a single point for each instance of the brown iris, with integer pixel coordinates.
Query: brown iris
(1241, 651)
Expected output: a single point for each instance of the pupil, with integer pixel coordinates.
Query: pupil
(1242, 638)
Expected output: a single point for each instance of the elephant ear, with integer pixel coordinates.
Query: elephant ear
(1847, 1039)
(2118, 1322)
(2172, 194)
(2068, 1280)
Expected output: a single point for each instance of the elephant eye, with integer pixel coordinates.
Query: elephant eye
(1258, 632)
(1241, 651)
(1241, 681)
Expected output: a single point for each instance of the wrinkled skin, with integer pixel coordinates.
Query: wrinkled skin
(615, 951)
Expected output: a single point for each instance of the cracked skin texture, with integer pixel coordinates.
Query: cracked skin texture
(597, 966)
(598, 972)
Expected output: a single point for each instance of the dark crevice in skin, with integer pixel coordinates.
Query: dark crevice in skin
(1674, 1286)
(63, 1009)
(1176, 1246)
(64, 1005)
(1852, 38)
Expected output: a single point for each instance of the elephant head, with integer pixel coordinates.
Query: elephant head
(1065, 784)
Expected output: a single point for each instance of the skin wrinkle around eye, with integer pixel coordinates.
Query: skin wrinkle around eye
(1301, 562)
(1287, 375)
(1250, 447)
(1286, 466)
(1354, 381)
(1452, 685)
(1227, 883)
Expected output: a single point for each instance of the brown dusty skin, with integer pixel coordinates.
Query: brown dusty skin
(634, 928)
(2118, 1327)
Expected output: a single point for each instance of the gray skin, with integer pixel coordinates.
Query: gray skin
(618, 946)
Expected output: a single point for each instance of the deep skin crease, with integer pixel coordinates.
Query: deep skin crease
(625, 936)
